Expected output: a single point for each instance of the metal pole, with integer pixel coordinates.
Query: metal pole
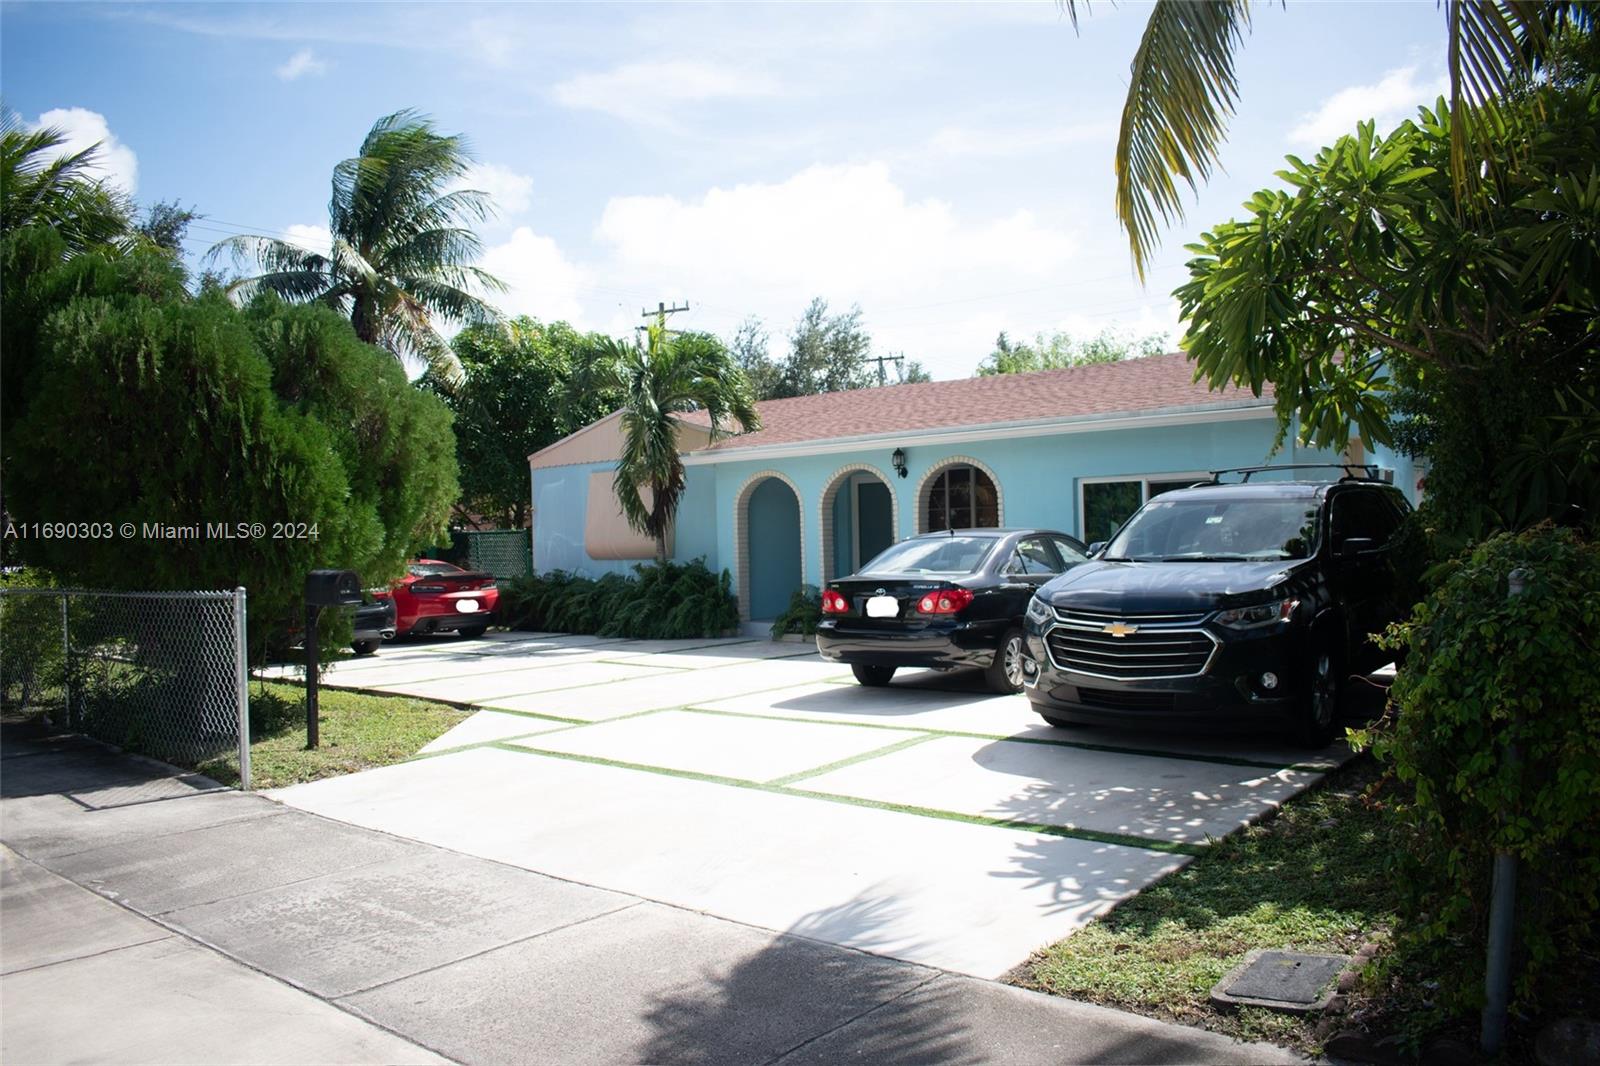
(1502, 905)
(242, 687)
(311, 676)
(66, 664)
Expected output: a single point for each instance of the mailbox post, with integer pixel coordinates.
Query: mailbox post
(324, 588)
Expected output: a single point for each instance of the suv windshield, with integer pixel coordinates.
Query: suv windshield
(935, 555)
(1172, 528)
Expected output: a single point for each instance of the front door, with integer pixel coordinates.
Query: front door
(874, 520)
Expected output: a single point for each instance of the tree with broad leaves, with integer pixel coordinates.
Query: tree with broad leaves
(520, 392)
(1468, 338)
(402, 247)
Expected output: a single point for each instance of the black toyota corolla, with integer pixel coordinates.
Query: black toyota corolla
(943, 600)
(1223, 603)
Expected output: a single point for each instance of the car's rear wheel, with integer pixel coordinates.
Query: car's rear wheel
(473, 632)
(364, 647)
(1005, 673)
(873, 676)
(1319, 722)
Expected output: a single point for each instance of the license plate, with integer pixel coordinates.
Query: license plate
(466, 606)
(883, 607)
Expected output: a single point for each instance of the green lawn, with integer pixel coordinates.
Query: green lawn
(1310, 878)
(357, 732)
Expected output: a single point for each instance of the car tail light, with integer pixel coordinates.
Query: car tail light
(945, 601)
(489, 584)
(833, 603)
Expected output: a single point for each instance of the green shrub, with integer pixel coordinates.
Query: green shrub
(32, 668)
(1487, 675)
(662, 601)
(802, 614)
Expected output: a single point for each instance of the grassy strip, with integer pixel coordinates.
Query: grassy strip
(839, 764)
(357, 732)
(1070, 832)
(1311, 878)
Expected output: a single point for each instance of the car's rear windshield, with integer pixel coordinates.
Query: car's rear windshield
(933, 555)
(1174, 529)
(433, 569)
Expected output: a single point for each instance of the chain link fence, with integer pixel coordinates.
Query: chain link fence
(505, 553)
(158, 673)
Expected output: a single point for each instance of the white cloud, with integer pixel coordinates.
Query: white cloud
(114, 162)
(646, 92)
(541, 281)
(1390, 101)
(300, 64)
(312, 238)
(510, 192)
(923, 274)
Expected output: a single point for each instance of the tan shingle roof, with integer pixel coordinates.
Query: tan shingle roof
(1132, 386)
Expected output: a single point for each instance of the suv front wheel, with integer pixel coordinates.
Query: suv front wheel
(1319, 722)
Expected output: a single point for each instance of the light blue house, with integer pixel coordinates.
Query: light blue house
(830, 480)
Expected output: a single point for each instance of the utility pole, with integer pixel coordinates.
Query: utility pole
(883, 377)
(659, 314)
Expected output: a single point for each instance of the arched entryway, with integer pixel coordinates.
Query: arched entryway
(860, 517)
(771, 544)
(959, 493)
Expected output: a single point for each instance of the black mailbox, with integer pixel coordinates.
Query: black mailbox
(333, 588)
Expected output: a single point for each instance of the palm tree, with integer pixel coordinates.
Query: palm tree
(661, 380)
(1183, 87)
(401, 249)
(41, 185)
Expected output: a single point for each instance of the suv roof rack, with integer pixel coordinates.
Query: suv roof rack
(1369, 471)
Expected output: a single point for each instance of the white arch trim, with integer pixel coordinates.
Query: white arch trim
(925, 488)
(741, 532)
(825, 508)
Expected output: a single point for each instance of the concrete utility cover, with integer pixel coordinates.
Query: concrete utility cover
(1289, 981)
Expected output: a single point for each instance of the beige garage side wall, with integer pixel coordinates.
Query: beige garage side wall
(606, 533)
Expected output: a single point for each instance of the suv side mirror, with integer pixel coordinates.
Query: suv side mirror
(1356, 546)
(1096, 548)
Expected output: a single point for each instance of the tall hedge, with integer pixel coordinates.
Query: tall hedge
(1494, 735)
(144, 405)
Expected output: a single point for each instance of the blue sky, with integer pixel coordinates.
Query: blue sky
(948, 167)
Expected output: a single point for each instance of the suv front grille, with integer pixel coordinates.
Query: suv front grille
(1079, 616)
(1150, 650)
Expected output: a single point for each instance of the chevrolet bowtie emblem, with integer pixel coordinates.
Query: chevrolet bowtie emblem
(1120, 629)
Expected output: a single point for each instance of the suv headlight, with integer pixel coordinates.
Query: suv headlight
(1039, 612)
(1262, 614)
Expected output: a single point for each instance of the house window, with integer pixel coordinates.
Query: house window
(962, 497)
(1107, 503)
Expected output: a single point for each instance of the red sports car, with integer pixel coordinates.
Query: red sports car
(435, 597)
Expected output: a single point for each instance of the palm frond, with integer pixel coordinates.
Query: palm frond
(1182, 90)
(1494, 46)
(449, 301)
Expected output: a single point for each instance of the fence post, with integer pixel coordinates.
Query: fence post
(1502, 902)
(241, 655)
(66, 665)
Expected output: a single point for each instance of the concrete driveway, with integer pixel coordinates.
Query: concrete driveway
(928, 821)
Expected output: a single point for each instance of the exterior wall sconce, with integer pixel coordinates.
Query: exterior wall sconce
(899, 461)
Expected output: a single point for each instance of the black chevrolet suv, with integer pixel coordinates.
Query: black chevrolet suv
(1223, 603)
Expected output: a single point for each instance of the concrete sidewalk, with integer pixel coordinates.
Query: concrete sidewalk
(224, 901)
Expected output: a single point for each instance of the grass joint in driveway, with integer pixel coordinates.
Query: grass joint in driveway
(1070, 832)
